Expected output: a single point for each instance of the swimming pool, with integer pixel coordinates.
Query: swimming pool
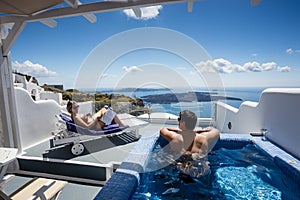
(242, 167)
(244, 173)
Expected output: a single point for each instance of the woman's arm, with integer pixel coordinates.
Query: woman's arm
(79, 121)
(86, 117)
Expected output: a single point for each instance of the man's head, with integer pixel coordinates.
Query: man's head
(189, 118)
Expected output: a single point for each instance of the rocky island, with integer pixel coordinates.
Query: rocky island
(168, 98)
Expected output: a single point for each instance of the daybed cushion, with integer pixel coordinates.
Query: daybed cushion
(71, 126)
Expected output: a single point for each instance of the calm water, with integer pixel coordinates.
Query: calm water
(202, 109)
(235, 174)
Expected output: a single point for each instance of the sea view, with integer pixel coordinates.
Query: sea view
(202, 109)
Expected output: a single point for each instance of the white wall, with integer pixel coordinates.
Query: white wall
(246, 119)
(45, 95)
(278, 111)
(282, 118)
(36, 118)
(32, 88)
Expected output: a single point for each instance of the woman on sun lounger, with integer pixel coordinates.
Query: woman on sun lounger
(103, 117)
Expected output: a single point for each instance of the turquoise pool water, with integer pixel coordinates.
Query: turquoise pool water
(243, 173)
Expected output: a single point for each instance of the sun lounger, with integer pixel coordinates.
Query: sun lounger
(72, 127)
(38, 189)
(76, 135)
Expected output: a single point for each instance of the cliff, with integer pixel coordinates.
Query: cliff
(186, 97)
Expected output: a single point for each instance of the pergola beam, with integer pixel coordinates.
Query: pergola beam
(12, 36)
(97, 7)
(72, 3)
(137, 12)
(190, 5)
(49, 22)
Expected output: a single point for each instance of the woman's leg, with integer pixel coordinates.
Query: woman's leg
(101, 125)
(97, 116)
(116, 120)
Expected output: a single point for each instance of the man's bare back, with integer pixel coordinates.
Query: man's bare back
(190, 141)
(186, 139)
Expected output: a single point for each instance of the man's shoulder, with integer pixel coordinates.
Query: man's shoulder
(178, 136)
(200, 138)
(200, 135)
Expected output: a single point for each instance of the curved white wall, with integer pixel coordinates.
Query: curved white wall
(36, 118)
(45, 95)
(246, 119)
(278, 111)
(282, 118)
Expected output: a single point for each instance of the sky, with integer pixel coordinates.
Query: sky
(221, 43)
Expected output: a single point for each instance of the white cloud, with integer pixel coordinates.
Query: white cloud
(132, 69)
(284, 69)
(33, 69)
(147, 12)
(218, 65)
(254, 54)
(289, 51)
(221, 65)
(206, 66)
(269, 66)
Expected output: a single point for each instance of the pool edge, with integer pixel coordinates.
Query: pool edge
(119, 188)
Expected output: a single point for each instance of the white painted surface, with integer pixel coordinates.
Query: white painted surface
(282, 118)
(37, 118)
(278, 111)
(246, 119)
(158, 115)
(168, 118)
(45, 95)
(32, 88)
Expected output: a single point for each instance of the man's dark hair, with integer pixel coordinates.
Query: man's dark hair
(189, 118)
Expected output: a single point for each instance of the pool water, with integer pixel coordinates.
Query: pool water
(244, 173)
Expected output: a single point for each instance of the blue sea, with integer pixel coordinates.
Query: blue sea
(202, 109)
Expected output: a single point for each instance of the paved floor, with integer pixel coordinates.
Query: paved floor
(101, 151)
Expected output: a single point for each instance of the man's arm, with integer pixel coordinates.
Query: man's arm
(168, 133)
(212, 136)
(202, 144)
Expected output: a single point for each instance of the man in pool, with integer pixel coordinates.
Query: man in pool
(190, 147)
(186, 140)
